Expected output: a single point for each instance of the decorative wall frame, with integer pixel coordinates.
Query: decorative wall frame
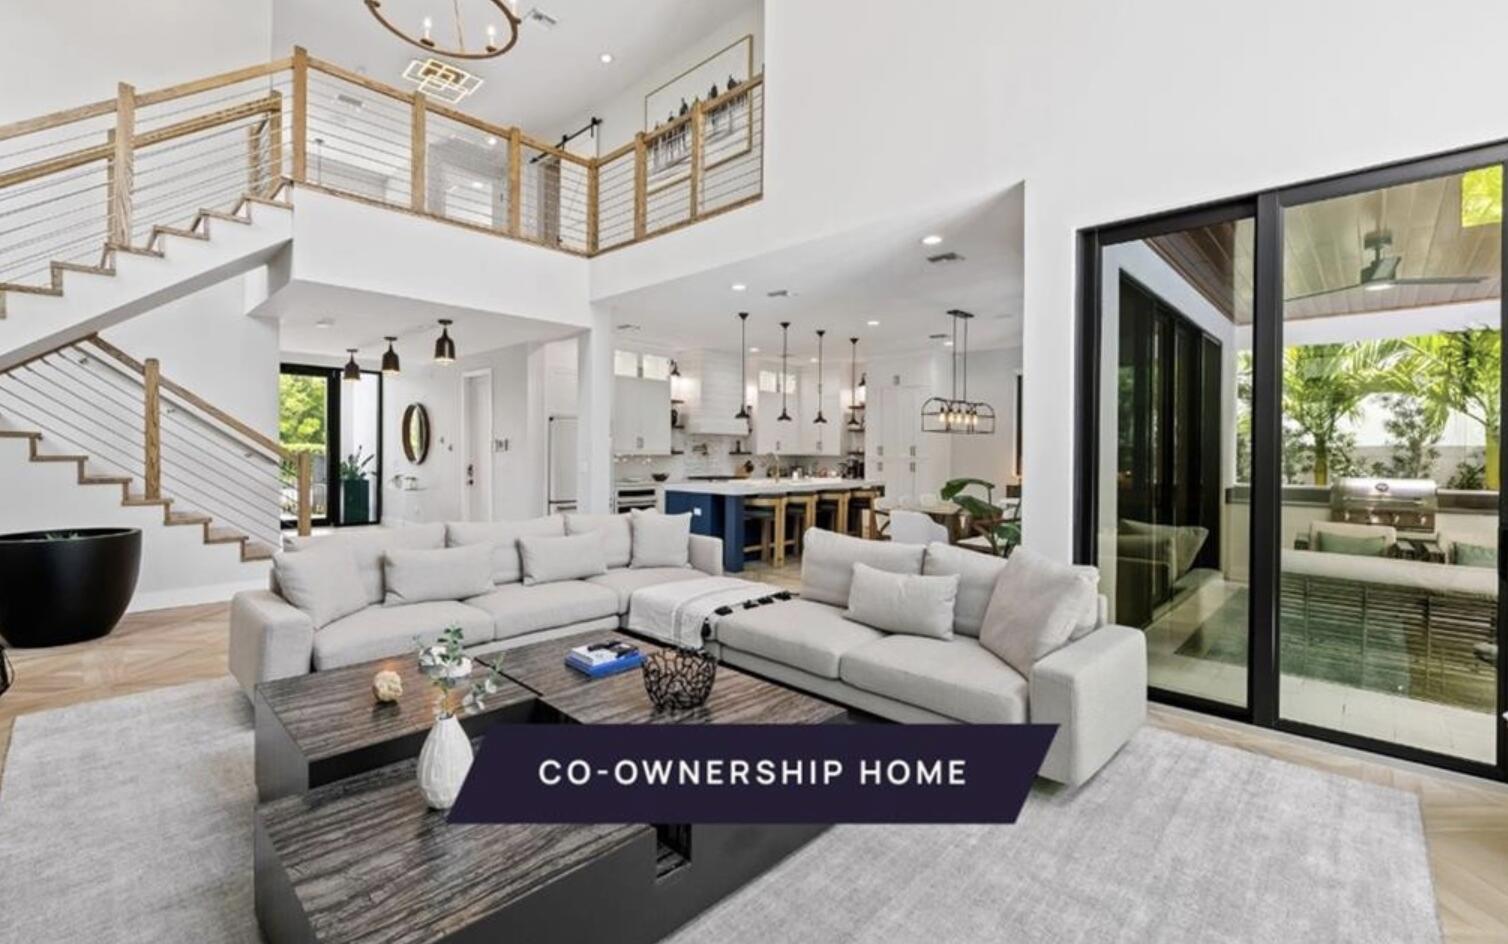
(728, 130)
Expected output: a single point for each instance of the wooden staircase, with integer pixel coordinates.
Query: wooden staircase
(130, 497)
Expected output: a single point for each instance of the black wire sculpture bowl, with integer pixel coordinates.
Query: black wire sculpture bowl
(677, 679)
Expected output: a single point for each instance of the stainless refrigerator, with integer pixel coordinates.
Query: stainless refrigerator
(560, 495)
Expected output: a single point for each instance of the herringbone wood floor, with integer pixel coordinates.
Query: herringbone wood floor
(1466, 822)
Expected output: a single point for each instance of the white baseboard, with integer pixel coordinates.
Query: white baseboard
(192, 596)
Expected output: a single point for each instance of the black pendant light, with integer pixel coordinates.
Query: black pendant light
(743, 366)
(956, 413)
(445, 348)
(820, 418)
(390, 359)
(352, 371)
(785, 333)
(853, 386)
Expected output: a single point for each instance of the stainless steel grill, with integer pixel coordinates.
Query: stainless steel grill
(1406, 504)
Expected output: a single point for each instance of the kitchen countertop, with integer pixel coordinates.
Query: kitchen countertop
(770, 486)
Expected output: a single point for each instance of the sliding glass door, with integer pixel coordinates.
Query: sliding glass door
(339, 423)
(1289, 461)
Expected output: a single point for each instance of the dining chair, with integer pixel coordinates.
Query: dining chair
(913, 527)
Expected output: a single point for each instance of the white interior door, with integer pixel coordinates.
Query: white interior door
(476, 491)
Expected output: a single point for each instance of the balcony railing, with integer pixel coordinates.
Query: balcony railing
(104, 174)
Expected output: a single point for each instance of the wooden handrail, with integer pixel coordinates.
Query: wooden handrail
(213, 82)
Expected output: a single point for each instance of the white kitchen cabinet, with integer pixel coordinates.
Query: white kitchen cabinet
(896, 450)
(825, 439)
(771, 435)
(641, 417)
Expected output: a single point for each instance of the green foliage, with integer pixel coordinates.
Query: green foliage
(1482, 196)
(1324, 385)
(984, 514)
(1470, 475)
(1415, 430)
(301, 412)
(353, 468)
(1453, 371)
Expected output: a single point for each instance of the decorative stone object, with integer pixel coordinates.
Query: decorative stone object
(444, 762)
(387, 686)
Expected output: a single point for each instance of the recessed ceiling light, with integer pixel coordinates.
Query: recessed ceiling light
(753, 350)
(873, 324)
(324, 322)
(947, 344)
(491, 140)
(738, 286)
(476, 185)
(605, 58)
(814, 360)
(932, 239)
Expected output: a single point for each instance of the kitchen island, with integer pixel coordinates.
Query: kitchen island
(717, 508)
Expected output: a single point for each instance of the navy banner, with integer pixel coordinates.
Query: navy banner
(705, 773)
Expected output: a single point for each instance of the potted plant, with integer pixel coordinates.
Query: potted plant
(984, 516)
(65, 585)
(355, 489)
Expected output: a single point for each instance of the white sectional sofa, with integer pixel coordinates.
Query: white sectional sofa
(1094, 687)
(271, 638)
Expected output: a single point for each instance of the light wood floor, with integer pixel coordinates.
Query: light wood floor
(1465, 821)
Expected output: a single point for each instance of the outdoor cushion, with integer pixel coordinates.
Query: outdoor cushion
(660, 540)
(799, 633)
(324, 584)
(1361, 545)
(517, 608)
(617, 538)
(1036, 605)
(379, 632)
(903, 603)
(977, 574)
(958, 678)
(1473, 555)
(1316, 528)
(503, 536)
(1394, 572)
(368, 545)
(573, 557)
(446, 573)
(624, 581)
(827, 561)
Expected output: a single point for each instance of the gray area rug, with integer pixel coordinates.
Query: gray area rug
(130, 820)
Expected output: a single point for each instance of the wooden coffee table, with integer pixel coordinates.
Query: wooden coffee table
(362, 859)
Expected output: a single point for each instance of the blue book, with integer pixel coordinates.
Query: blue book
(601, 659)
(602, 669)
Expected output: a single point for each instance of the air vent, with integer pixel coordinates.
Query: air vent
(945, 257)
(779, 293)
(350, 101)
(937, 337)
(541, 18)
(630, 326)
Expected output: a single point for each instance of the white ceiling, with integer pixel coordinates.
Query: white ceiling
(551, 77)
(841, 283)
(362, 319)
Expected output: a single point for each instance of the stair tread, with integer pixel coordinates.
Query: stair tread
(251, 551)
(268, 201)
(81, 267)
(187, 517)
(135, 250)
(177, 231)
(30, 289)
(223, 536)
(18, 434)
(142, 501)
(104, 480)
(56, 457)
(225, 215)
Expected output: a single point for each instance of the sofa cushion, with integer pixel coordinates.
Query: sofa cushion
(1361, 545)
(958, 678)
(660, 540)
(798, 633)
(624, 581)
(324, 584)
(827, 561)
(572, 557)
(517, 608)
(503, 536)
(446, 573)
(368, 545)
(1185, 541)
(902, 603)
(379, 632)
(977, 574)
(1465, 554)
(1037, 604)
(617, 538)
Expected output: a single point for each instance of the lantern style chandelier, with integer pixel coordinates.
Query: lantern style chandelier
(956, 413)
(492, 23)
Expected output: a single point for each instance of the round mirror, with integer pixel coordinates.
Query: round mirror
(416, 433)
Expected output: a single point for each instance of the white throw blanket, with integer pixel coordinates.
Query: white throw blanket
(675, 612)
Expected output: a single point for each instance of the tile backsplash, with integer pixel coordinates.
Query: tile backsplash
(703, 455)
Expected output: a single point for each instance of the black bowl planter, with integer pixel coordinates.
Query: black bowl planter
(65, 586)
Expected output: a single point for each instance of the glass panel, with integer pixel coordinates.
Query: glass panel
(360, 465)
(1174, 540)
(1391, 425)
(303, 426)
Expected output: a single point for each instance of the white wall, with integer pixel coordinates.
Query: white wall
(992, 378)
(65, 53)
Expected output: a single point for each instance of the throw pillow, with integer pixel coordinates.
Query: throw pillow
(503, 536)
(449, 573)
(976, 573)
(617, 538)
(573, 557)
(660, 540)
(1371, 545)
(1034, 609)
(903, 603)
(325, 583)
(1474, 555)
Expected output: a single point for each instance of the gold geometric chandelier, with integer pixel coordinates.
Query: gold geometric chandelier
(493, 46)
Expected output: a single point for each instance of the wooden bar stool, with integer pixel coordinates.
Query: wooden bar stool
(862, 500)
(837, 503)
(802, 506)
(770, 512)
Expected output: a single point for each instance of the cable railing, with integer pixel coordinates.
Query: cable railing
(78, 184)
(134, 423)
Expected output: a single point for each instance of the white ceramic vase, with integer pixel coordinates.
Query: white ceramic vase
(444, 762)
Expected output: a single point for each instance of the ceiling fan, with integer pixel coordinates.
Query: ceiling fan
(1382, 272)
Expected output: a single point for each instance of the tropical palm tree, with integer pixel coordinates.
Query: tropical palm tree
(1453, 371)
(1324, 385)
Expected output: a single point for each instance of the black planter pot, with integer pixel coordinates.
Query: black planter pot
(65, 586)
